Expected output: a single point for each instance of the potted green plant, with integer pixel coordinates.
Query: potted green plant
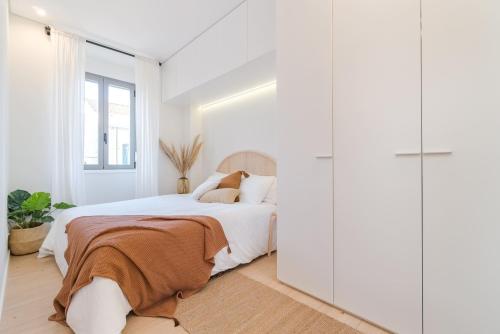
(29, 216)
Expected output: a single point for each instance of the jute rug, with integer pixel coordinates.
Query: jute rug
(234, 303)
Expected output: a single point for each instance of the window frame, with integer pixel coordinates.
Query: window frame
(103, 112)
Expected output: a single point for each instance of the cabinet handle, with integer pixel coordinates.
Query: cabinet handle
(407, 153)
(438, 152)
(413, 153)
(326, 156)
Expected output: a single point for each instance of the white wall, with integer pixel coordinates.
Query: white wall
(249, 124)
(173, 126)
(4, 29)
(235, 54)
(109, 63)
(30, 82)
(246, 124)
(109, 185)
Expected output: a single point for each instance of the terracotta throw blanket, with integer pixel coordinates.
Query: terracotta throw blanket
(153, 259)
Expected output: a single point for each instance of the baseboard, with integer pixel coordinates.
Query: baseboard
(4, 282)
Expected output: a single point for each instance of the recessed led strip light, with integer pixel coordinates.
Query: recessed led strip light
(257, 90)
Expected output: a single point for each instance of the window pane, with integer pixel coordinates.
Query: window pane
(91, 125)
(118, 126)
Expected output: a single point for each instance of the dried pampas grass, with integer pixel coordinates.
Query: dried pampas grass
(184, 157)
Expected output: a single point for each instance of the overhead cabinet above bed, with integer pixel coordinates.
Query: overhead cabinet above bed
(405, 233)
(245, 34)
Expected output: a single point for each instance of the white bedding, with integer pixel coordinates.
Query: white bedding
(101, 307)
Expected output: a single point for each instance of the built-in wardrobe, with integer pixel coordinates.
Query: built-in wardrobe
(389, 159)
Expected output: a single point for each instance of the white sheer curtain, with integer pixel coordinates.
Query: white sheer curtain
(147, 86)
(68, 86)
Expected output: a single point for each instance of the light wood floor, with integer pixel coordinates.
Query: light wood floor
(32, 284)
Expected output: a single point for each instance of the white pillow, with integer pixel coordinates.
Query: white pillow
(272, 194)
(210, 184)
(254, 189)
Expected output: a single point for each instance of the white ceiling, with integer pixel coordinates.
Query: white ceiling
(154, 28)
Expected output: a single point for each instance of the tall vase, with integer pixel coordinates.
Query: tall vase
(183, 185)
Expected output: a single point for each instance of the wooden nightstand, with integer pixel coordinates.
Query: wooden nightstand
(272, 223)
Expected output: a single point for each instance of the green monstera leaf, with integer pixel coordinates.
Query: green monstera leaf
(47, 219)
(16, 198)
(43, 219)
(37, 202)
(39, 214)
(63, 206)
(31, 210)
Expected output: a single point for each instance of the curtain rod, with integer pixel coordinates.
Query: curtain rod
(48, 30)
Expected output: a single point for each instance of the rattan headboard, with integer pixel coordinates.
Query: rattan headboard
(249, 161)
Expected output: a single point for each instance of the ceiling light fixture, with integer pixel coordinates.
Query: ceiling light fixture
(257, 90)
(39, 11)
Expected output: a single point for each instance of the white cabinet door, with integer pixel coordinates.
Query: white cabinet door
(461, 114)
(377, 174)
(305, 212)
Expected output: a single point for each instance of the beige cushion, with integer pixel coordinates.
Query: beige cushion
(225, 195)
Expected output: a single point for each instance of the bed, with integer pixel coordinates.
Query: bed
(101, 307)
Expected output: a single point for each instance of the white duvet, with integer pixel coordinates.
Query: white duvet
(101, 307)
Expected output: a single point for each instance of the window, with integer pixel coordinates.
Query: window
(109, 128)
